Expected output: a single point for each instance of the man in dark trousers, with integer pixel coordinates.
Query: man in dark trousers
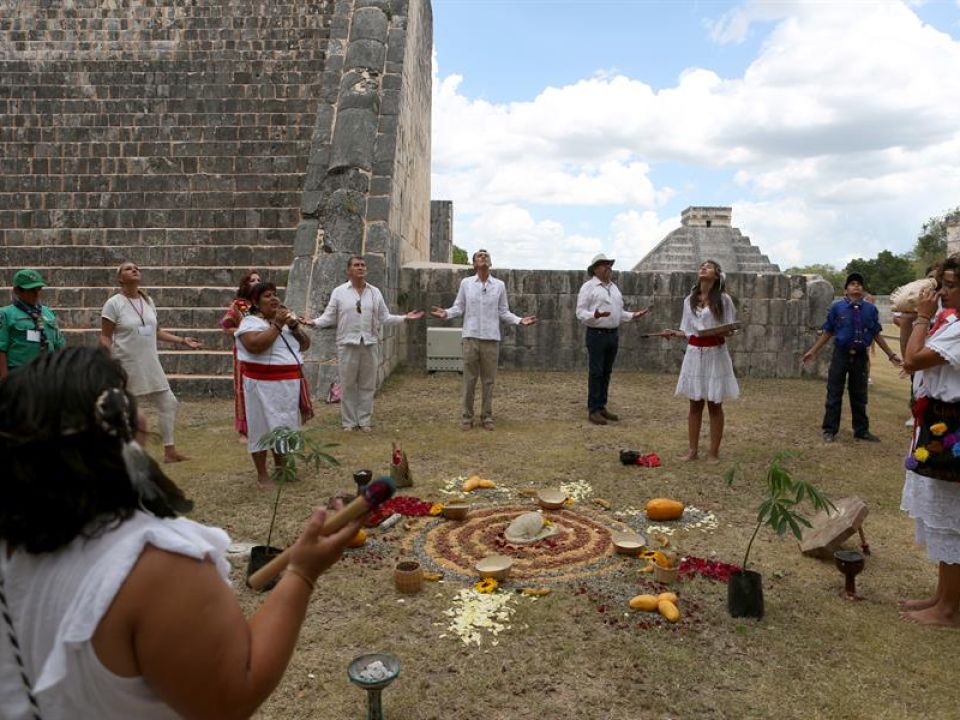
(854, 324)
(600, 309)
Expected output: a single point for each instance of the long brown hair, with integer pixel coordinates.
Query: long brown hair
(243, 290)
(714, 297)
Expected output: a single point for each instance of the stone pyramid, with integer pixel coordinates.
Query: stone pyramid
(706, 233)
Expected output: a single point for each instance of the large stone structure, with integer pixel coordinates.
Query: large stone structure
(200, 138)
(706, 233)
(203, 138)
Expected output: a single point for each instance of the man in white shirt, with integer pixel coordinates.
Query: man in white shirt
(482, 301)
(358, 311)
(600, 309)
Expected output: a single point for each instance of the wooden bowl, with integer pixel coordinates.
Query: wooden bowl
(665, 575)
(551, 498)
(495, 566)
(456, 511)
(628, 543)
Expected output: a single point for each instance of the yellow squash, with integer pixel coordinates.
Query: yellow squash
(647, 603)
(664, 509)
(668, 610)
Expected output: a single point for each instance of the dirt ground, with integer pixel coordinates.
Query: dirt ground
(579, 652)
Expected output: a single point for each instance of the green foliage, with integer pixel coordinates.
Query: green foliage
(832, 275)
(294, 449)
(884, 273)
(460, 256)
(931, 244)
(784, 493)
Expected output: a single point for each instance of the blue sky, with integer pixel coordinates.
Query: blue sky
(562, 129)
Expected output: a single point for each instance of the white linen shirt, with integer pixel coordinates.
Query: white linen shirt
(356, 328)
(594, 295)
(482, 305)
(278, 354)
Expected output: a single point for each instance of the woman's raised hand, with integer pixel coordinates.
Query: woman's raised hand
(313, 553)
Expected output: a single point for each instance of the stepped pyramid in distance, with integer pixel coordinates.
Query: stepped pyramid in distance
(706, 233)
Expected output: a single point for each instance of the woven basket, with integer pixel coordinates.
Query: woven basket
(408, 576)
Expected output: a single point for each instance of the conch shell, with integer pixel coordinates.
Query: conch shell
(904, 298)
(527, 528)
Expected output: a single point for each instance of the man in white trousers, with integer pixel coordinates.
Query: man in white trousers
(358, 311)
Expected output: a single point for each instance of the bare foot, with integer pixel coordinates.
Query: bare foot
(713, 459)
(264, 482)
(691, 455)
(172, 456)
(940, 614)
(917, 604)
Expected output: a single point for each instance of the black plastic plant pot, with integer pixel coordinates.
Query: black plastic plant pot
(260, 555)
(745, 594)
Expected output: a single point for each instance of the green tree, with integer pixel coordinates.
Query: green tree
(932, 242)
(832, 275)
(460, 256)
(884, 273)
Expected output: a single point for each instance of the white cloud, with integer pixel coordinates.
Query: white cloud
(842, 130)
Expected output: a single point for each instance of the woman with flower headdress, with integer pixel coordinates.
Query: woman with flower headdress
(97, 570)
(931, 490)
(238, 310)
(706, 376)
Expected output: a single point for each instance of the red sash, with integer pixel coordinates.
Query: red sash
(256, 371)
(702, 342)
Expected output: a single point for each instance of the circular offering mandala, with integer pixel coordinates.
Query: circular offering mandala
(582, 547)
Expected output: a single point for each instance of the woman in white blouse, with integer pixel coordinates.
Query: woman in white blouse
(706, 375)
(931, 489)
(129, 330)
(269, 343)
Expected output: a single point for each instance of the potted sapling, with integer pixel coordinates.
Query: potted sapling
(292, 449)
(779, 511)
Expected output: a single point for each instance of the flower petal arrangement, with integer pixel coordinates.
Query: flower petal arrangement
(487, 585)
(474, 613)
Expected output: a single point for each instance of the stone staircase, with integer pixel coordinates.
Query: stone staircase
(174, 134)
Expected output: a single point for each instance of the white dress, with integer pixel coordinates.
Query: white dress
(935, 504)
(707, 372)
(135, 342)
(269, 404)
(57, 601)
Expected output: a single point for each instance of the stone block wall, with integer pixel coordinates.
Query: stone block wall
(441, 231)
(173, 133)
(367, 188)
(780, 316)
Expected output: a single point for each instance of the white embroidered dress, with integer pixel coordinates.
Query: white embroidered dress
(935, 504)
(707, 372)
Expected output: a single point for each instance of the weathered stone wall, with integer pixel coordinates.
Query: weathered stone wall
(441, 231)
(367, 190)
(780, 317)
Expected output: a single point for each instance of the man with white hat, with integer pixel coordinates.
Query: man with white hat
(600, 309)
(27, 328)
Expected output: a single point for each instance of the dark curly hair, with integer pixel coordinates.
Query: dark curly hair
(63, 469)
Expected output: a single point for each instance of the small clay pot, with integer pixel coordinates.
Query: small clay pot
(408, 576)
(665, 574)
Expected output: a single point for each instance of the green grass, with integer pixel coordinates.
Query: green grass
(814, 655)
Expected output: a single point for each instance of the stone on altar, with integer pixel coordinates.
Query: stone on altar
(829, 531)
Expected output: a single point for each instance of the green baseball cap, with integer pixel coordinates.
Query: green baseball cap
(28, 279)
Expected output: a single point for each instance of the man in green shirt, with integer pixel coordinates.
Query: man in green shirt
(27, 328)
